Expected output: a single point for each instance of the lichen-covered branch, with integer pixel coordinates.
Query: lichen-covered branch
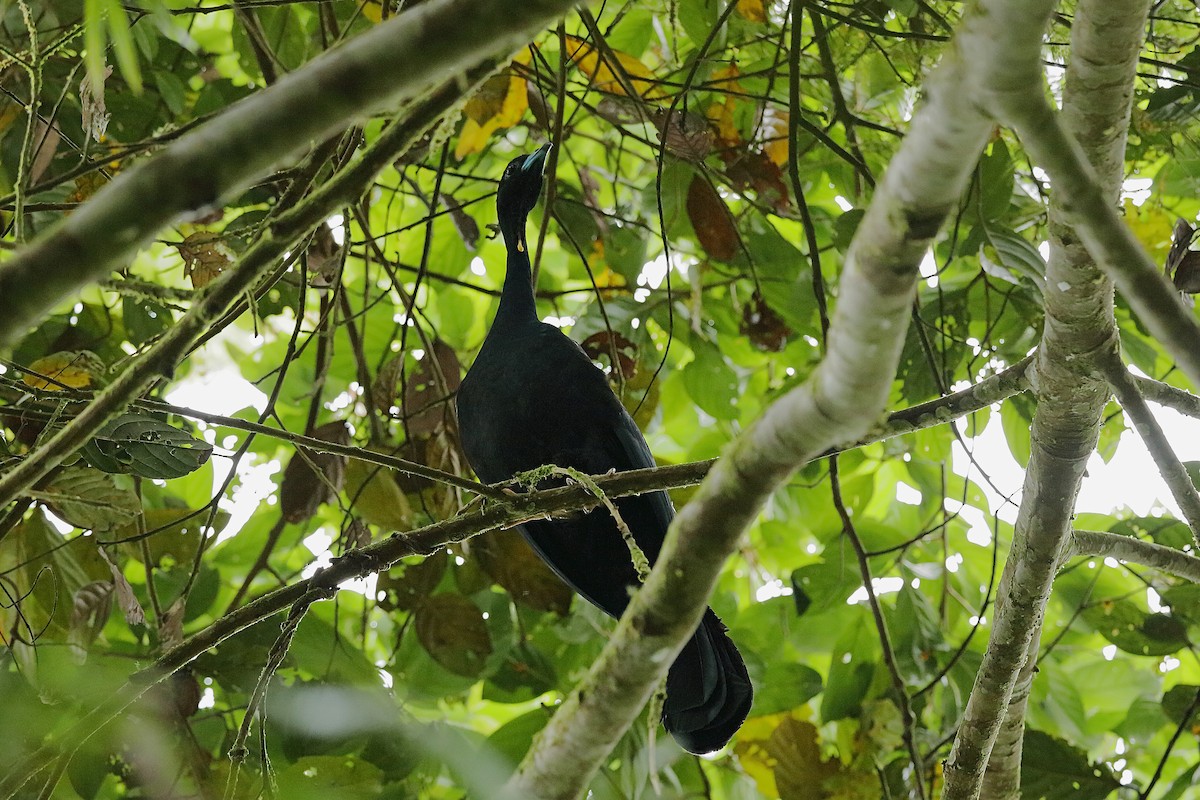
(1105, 41)
(383, 67)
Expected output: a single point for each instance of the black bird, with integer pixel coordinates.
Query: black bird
(533, 397)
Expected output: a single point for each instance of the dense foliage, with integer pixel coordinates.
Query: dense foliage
(711, 165)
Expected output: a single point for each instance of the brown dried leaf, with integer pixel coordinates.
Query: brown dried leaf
(452, 630)
(688, 135)
(464, 223)
(91, 607)
(310, 478)
(404, 586)
(711, 220)
(601, 344)
(205, 256)
(324, 257)
(763, 326)
(512, 563)
(427, 405)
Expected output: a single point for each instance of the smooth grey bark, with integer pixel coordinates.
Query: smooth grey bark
(1106, 39)
(1104, 544)
(399, 60)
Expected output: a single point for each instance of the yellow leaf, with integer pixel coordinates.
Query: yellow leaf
(372, 10)
(721, 114)
(68, 369)
(752, 753)
(595, 66)
(499, 103)
(9, 113)
(752, 10)
(775, 136)
(1152, 225)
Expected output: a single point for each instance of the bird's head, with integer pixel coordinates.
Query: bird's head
(520, 187)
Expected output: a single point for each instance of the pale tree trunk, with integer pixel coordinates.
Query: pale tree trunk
(1071, 393)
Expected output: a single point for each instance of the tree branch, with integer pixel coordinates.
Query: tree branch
(399, 60)
(1169, 465)
(1125, 548)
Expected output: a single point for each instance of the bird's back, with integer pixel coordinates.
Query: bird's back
(533, 397)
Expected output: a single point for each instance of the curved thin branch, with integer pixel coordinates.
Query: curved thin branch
(1169, 465)
(1170, 396)
(1125, 548)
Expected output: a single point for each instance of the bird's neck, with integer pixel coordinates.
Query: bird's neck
(516, 298)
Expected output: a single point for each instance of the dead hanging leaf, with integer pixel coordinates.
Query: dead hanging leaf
(427, 402)
(312, 479)
(356, 534)
(128, 602)
(756, 172)
(75, 369)
(48, 137)
(499, 103)
(711, 220)
(512, 563)
(91, 98)
(405, 586)
(1183, 264)
(373, 493)
(753, 10)
(603, 76)
(763, 326)
(601, 345)
(685, 134)
(464, 223)
(453, 631)
(91, 607)
(441, 451)
(205, 256)
(324, 257)
(543, 115)
(383, 389)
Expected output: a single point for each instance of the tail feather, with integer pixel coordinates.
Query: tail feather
(708, 691)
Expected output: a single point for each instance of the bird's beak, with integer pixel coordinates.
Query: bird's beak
(537, 159)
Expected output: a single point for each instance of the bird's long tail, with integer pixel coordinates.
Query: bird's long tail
(708, 690)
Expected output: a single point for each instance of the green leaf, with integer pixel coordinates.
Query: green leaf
(90, 499)
(1052, 769)
(322, 777)
(147, 447)
(711, 382)
(851, 670)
